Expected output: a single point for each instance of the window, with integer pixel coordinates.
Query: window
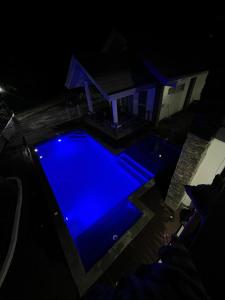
(177, 89)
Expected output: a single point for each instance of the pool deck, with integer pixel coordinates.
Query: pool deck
(39, 255)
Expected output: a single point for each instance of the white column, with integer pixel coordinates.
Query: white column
(115, 111)
(88, 96)
(135, 104)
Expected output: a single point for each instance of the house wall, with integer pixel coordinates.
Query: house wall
(199, 85)
(213, 163)
(173, 103)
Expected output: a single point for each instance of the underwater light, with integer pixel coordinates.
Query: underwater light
(115, 237)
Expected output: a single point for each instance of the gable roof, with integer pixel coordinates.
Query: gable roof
(138, 62)
(115, 73)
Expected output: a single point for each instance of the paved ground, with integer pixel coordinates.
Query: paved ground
(144, 249)
(39, 269)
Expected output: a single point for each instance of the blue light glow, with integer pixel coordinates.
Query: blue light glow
(157, 74)
(91, 187)
(59, 140)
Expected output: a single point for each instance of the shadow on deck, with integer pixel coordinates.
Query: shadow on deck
(124, 128)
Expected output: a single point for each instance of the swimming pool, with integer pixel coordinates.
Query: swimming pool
(91, 186)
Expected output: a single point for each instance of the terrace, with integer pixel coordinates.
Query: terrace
(39, 235)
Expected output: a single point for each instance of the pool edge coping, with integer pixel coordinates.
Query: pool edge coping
(108, 259)
(84, 280)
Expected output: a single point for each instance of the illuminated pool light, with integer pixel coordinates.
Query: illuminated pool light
(115, 237)
(160, 155)
(35, 150)
(40, 156)
(59, 140)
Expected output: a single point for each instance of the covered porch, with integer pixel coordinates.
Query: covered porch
(121, 113)
(116, 103)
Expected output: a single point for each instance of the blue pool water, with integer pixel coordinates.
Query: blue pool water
(91, 187)
(155, 154)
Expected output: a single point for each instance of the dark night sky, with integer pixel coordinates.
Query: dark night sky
(35, 59)
(35, 55)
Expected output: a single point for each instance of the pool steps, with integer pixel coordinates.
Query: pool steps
(140, 173)
(124, 160)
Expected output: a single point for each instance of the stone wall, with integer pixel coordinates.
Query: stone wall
(193, 151)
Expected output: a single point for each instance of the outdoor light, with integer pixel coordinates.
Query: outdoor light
(115, 237)
(160, 155)
(1, 90)
(35, 150)
(59, 140)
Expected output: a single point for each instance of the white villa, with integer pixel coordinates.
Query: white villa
(126, 88)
